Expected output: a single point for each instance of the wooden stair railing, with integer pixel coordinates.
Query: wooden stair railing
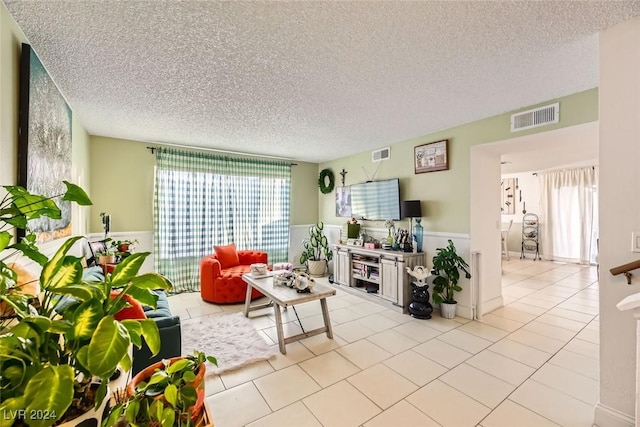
(625, 269)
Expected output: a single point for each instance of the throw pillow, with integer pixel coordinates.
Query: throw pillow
(133, 312)
(227, 255)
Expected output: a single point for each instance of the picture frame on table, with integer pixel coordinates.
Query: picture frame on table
(431, 157)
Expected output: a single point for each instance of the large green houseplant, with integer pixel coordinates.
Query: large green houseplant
(316, 253)
(57, 343)
(447, 265)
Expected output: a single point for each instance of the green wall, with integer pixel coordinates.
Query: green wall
(122, 185)
(445, 194)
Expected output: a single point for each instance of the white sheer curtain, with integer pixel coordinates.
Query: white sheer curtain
(569, 214)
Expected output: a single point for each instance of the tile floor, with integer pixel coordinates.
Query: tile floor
(533, 362)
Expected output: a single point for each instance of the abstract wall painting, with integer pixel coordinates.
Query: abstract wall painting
(44, 148)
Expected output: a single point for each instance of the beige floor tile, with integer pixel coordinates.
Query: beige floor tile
(510, 414)
(320, 344)
(535, 283)
(439, 323)
(415, 367)
(579, 308)
(343, 315)
(501, 322)
(296, 353)
(401, 414)
(569, 382)
(396, 316)
(213, 384)
(570, 314)
(520, 352)
(584, 348)
(382, 385)
(466, 341)
(238, 406)
(483, 330)
(203, 310)
(378, 322)
(561, 322)
(577, 363)
(543, 304)
(589, 335)
(528, 308)
(554, 405)
(515, 291)
(418, 330)
(286, 386)
(366, 308)
(341, 405)
(509, 370)
(443, 403)
(512, 313)
(329, 368)
(262, 322)
(295, 414)
(352, 331)
(479, 385)
(550, 331)
(540, 342)
(336, 303)
(392, 341)
(443, 353)
(246, 374)
(363, 353)
(557, 291)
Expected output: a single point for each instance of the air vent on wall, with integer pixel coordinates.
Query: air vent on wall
(381, 154)
(537, 117)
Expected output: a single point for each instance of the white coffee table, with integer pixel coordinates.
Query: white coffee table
(282, 296)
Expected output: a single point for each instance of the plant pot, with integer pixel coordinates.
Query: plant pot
(317, 268)
(197, 411)
(448, 309)
(93, 417)
(124, 247)
(107, 259)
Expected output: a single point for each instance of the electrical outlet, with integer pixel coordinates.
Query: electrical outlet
(635, 242)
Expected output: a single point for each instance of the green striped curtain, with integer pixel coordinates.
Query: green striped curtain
(203, 199)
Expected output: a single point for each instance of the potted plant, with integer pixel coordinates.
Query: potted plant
(56, 344)
(446, 266)
(167, 393)
(124, 246)
(316, 253)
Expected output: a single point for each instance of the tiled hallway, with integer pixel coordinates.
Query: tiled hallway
(533, 362)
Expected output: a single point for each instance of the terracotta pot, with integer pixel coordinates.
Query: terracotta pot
(124, 247)
(107, 259)
(197, 411)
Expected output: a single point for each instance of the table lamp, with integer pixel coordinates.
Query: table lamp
(412, 209)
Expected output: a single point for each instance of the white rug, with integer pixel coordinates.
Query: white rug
(230, 338)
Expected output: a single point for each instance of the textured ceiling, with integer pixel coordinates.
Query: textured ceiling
(311, 81)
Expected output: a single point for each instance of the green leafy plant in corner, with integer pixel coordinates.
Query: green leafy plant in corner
(54, 345)
(316, 247)
(446, 266)
(170, 396)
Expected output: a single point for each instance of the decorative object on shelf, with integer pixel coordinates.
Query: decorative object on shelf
(326, 181)
(390, 225)
(508, 193)
(420, 307)
(413, 209)
(530, 233)
(258, 269)
(343, 202)
(317, 252)
(446, 266)
(353, 229)
(431, 157)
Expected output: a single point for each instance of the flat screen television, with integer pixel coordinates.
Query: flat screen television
(376, 200)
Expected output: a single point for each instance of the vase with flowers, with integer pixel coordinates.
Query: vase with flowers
(390, 225)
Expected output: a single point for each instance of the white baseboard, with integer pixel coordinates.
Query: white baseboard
(608, 417)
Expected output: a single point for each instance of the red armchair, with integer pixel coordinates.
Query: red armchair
(221, 281)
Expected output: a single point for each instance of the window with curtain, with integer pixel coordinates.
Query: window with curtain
(569, 214)
(203, 199)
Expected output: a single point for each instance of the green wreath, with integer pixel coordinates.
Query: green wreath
(326, 188)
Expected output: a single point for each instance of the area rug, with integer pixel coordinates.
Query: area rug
(230, 338)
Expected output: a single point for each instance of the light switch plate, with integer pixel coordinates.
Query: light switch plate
(635, 241)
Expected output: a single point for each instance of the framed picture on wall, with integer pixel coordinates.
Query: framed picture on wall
(343, 202)
(431, 157)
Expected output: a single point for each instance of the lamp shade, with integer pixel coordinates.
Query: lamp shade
(411, 209)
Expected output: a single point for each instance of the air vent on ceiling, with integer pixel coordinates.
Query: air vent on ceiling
(381, 154)
(537, 117)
